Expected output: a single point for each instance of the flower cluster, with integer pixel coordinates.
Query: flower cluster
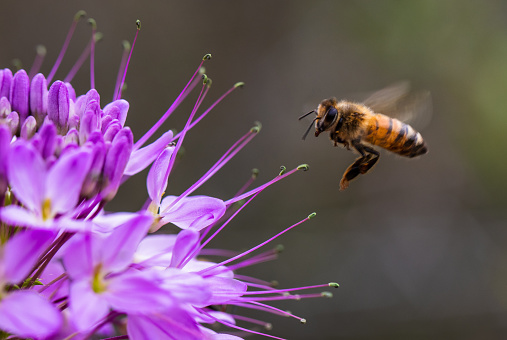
(68, 269)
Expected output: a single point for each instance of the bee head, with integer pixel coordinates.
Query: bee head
(327, 116)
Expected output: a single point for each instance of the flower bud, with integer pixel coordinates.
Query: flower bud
(5, 107)
(18, 95)
(117, 110)
(58, 105)
(116, 161)
(28, 128)
(39, 97)
(5, 82)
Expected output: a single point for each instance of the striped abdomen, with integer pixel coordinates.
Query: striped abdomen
(395, 136)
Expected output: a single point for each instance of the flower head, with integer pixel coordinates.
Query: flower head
(85, 271)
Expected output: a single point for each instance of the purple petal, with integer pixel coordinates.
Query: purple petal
(77, 257)
(22, 251)
(158, 175)
(120, 246)
(143, 291)
(89, 123)
(5, 107)
(186, 242)
(13, 121)
(19, 93)
(112, 130)
(39, 97)
(117, 110)
(28, 128)
(173, 324)
(187, 287)
(224, 290)
(65, 179)
(87, 307)
(195, 212)
(48, 141)
(27, 175)
(155, 250)
(5, 142)
(98, 155)
(58, 105)
(140, 159)
(5, 82)
(26, 314)
(116, 161)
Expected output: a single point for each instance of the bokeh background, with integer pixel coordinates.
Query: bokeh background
(418, 246)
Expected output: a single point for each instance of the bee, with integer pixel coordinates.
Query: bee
(362, 125)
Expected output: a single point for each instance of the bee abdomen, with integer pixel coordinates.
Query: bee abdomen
(396, 136)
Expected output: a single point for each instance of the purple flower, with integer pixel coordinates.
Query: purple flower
(23, 311)
(84, 271)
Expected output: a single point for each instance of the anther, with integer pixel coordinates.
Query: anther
(313, 214)
(41, 50)
(255, 173)
(279, 248)
(207, 56)
(239, 84)
(303, 167)
(79, 15)
(256, 128)
(282, 170)
(93, 23)
(327, 294)
(18, 65)
(138, 24)
(334, 284)
(303, 321)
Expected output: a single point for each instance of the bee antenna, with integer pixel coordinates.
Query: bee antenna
(309, 128)
(306, 114)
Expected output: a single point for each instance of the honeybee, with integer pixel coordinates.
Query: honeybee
(362, 125)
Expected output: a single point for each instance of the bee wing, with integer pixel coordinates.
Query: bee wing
(399, 102)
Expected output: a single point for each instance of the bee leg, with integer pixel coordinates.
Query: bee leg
(362, 165)
(369, 163)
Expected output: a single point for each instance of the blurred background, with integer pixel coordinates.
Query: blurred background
(418, 246)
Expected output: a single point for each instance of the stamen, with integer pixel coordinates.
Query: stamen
(184, 131)
(254, 248)
(303, 167)
(184, 93)
(80, 61)
(79, 15)
(264, 324)
(203, 244)
(92, 22)
(39, 58)
(126, 48)
(240, 328)
(231, 152)
(222, 97)
(118, 93)
(267, 308)
(332, 284)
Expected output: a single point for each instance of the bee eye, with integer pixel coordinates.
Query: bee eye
(330, 116)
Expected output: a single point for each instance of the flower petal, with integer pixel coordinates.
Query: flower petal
(118, 249)
(137, 292)
(27, 175)
(173, 324)
(186, 242)
(195, 212)
(224, 290)
(65, 180)
(156, 181)
(22, 251)
(87, 307)
(26, 314)
(140, 159)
